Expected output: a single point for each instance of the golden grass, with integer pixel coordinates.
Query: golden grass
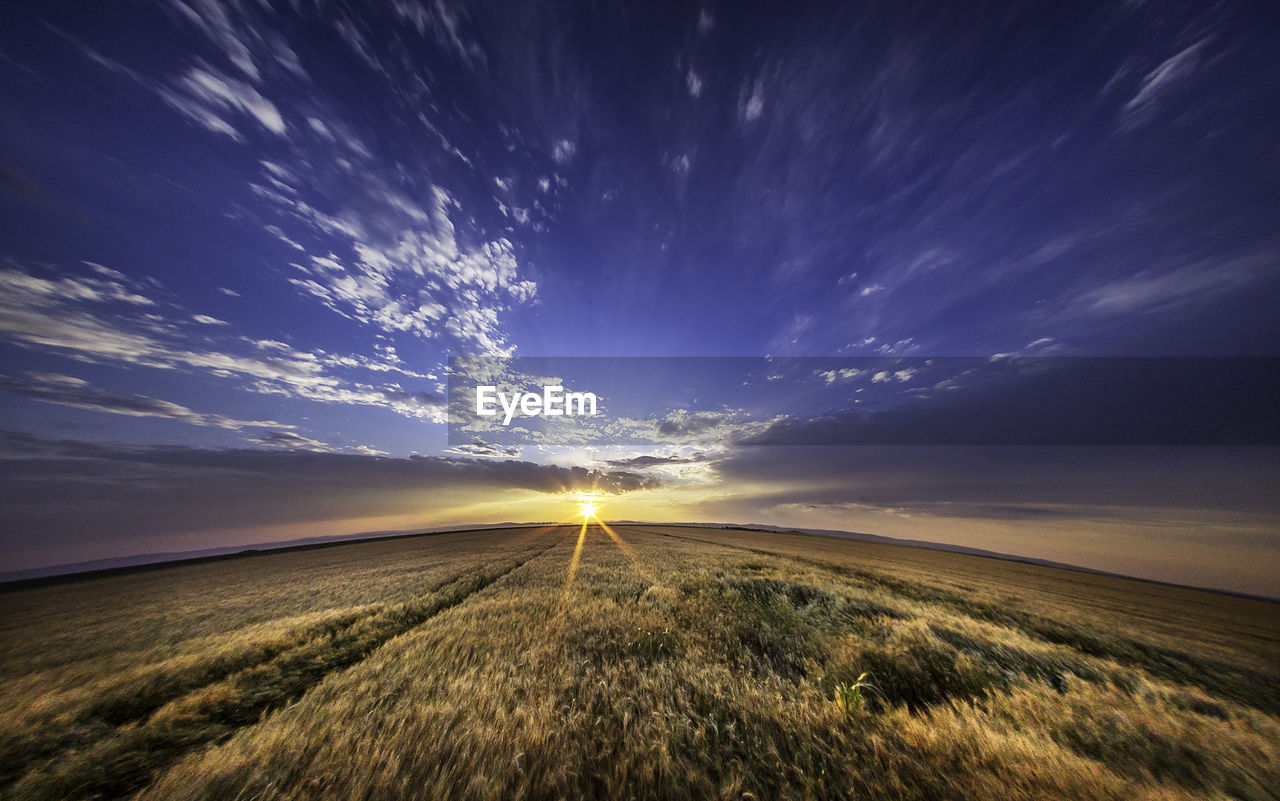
(634, 662)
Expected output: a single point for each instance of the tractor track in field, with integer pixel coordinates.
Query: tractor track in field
(130, 748)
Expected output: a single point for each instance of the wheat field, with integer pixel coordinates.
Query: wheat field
(627, 661)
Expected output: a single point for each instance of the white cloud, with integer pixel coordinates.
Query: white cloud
(77, 393)
(705, 22)
(841, 375)
(443, 22)
(56, 379)
(205, 319)
(1154, 291)
(320, 128)
(694, 83)
(290, 440)
(68, 289)
(704, 429)
(1038, 346)
(205, 96)
(275, 231)
(398, 261)
(1157, 83)
(479, 447)
(751, 103)
(563, 151)
(424, 281)
(349, 33)
(59, 315)
(870, 290)
(212, 19)
(897, 347)
(285, 56)
(365, 450)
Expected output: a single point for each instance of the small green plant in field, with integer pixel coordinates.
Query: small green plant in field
(850, 695)
(653, 645)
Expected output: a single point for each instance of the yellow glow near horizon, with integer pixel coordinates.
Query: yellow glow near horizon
(588, 509)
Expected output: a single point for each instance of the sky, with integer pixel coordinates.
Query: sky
(240, 241)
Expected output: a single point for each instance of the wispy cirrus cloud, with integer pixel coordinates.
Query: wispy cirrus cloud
(1159, 82)
(106, 285)
(693, 82)
(77, 393)
(378, 251)
(1162, 289)
(385, 251)
(751, 101)
(213, 19)
(479, 447)
(290, 439)
(87, 318)
(203, 93)
(208, 97)
(442, 22)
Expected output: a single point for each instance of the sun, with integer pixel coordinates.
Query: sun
(588, 509)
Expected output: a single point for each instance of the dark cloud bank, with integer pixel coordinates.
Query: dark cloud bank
(56, 495)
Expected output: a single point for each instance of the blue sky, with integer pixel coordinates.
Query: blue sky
(261, 228)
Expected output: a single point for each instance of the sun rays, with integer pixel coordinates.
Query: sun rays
(589, 506)
(573, 562)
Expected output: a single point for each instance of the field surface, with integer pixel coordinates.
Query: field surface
(644, 662)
